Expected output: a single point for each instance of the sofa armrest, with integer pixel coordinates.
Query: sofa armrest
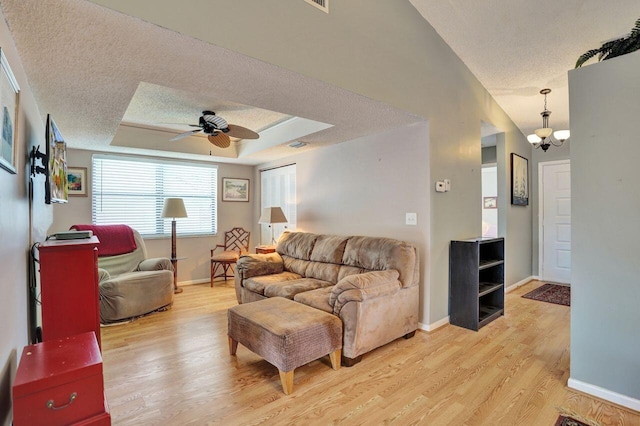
(103, 275)
(252, 265)
(360, 287)
(155, 264)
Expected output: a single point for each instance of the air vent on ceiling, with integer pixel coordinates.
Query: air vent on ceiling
(320, 4)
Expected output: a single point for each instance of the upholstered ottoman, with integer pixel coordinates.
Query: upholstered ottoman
(285, 333)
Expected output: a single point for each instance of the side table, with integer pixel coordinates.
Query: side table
(265, 249)
(174, 262)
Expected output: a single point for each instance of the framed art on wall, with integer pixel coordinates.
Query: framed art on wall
(9, 109)
(490, 202)
(519, 180)
(235, 189)
(77, 181)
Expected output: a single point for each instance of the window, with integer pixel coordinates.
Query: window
(131, 191)
(278, 189)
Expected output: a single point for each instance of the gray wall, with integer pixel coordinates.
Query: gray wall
(365, 187)
(388, 52)
(21, 224)
(196, 266)
(605, 310)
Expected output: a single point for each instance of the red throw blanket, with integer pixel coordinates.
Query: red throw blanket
(114, 239)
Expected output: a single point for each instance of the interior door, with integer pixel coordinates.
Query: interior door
(555, 221)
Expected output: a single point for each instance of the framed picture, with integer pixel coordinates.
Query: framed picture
(235, 189)
(519, 180)
(9, 109)
(490, 202)
(77, 181)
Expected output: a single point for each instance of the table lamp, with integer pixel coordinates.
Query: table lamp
(173, 208)
(271, 215)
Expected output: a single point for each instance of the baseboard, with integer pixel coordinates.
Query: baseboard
(433, 326)
(602, 393)
(191, 282)
(520, 283)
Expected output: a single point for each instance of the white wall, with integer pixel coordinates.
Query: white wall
(365, 187)
(489, 189)
(20, 225)
(196, 266)
(605, 300)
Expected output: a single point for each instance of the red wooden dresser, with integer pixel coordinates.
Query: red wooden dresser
(69, 287)
(59, 382)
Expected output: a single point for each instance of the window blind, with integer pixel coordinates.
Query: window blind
(131, 191)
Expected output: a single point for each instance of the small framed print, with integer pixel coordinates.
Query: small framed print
(235, 189)
(77, 181)
(490, 202)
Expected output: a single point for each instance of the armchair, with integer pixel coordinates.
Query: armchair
(130, 285)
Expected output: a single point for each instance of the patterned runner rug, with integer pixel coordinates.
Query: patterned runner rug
(568, 421)
(552, 293)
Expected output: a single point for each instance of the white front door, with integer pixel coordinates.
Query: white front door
(555, 221)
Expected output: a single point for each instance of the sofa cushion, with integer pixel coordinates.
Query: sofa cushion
(329, 249)
(323, 271)
(258, 284)
(318, 299)
(299, 266)
(290, 288)
(296, 244)
(378, 254)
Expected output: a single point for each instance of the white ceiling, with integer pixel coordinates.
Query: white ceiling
(517, 47)
(99, 68)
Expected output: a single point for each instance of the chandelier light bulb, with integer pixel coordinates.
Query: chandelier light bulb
(542, 137)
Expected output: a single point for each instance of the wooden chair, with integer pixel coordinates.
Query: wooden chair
(236, 242)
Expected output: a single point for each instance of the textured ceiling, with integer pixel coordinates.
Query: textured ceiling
(98, 68)
(92, 68)
(517, 47)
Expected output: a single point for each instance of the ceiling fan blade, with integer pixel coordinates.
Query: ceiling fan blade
(220, 140)
(185, 134)
(241, 132)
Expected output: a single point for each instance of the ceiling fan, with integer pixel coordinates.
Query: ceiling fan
(218, 130)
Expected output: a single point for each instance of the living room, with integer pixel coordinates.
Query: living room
(395, 172)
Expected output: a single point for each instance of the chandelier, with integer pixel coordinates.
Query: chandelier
(542, 138)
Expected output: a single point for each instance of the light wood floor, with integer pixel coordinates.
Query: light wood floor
(173, 368)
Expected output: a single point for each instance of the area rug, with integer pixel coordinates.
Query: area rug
(568, 421)
(551, 293)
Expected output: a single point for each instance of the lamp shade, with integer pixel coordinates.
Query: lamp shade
(174, 207)
(272, 215)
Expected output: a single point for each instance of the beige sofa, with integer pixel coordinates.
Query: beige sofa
(370, 283)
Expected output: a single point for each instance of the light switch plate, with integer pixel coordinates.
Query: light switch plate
(412, 219)
(447, 185)
(440, 186)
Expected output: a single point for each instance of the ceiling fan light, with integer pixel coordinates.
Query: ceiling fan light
(561, 135)
(533, 138)
(544, 132)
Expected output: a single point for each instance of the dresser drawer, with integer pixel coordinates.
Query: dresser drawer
(61, 405)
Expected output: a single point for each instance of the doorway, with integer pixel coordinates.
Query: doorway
(554, 216)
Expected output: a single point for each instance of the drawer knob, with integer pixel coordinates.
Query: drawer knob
(51, 406)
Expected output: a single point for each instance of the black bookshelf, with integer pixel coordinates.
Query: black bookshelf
(476, 282)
